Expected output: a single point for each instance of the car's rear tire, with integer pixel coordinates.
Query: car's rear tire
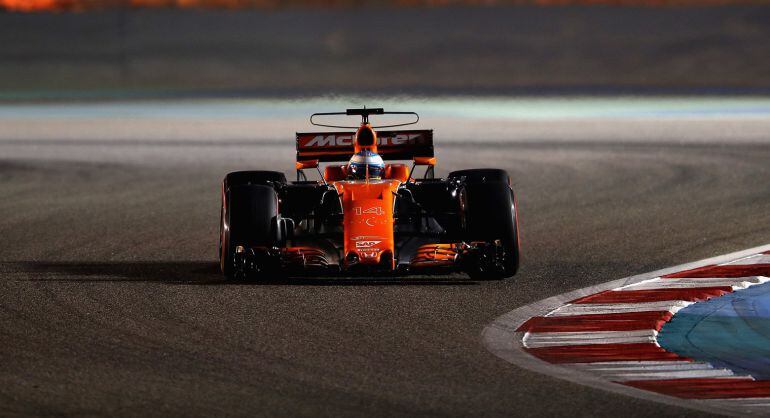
(247, 219)
(489, 215)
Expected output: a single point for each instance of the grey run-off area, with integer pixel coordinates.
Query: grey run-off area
(111, 303)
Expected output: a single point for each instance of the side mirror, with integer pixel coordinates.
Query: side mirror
(301, 165)
(424, 160)
(429, 161)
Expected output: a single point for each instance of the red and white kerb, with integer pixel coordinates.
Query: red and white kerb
(612, 334)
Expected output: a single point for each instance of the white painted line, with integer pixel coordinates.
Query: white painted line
(689, 283)
(645, 365)
(501, 339)
(654, 370)
(555, 339)
(756, 259)
(610, 308)
(665, 375)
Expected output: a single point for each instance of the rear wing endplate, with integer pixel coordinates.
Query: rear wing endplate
(338, 146)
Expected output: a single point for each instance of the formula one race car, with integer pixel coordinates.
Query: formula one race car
(368, 217)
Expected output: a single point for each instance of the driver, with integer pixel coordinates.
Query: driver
(366, 163)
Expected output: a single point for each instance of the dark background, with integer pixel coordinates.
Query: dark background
(458, 49)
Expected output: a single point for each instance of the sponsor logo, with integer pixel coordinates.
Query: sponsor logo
(365, 237)
(376, 210)
(346, 140)
(366, 244)
(401, 139)
(330, 141)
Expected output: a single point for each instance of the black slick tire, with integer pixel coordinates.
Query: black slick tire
(247, 219)
(490, 215)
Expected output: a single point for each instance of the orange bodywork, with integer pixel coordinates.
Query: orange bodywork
(368, 223)
(368, 208)
(304, 256)
(436, 255)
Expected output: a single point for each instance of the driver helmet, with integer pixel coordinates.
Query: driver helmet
(357, 169)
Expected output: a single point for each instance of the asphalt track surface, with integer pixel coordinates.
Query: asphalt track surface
(111, 301)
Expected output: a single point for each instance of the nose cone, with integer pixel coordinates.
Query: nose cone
(375, 258)
(368, 223)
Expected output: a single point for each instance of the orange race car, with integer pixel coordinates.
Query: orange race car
(367, 217)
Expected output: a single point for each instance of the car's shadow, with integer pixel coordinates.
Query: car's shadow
(201, 273)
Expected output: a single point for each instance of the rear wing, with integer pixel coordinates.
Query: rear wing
(338, 146)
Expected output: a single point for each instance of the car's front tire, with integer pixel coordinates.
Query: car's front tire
(481, 175)
(490, 216)
(247, 220)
